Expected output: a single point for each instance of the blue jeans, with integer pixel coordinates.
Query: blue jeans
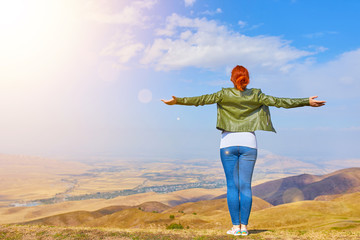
(238, 163)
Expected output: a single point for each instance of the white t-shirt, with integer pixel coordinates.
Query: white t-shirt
(246, 139)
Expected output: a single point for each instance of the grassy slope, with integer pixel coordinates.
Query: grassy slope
(341, 213)
(335, 219)
(85, 233)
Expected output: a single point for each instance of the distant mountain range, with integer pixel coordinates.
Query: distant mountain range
(308, 187)
(270, 166)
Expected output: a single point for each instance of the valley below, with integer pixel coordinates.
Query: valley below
(30, 181)
(52, 199)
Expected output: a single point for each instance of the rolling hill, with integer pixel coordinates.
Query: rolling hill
(149, 214)
(340, 213)
(308, 187)
(78, 218)
(22, 214)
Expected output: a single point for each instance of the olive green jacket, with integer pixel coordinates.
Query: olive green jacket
(243, 111)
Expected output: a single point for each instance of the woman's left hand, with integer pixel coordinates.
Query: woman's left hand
(171, 101)
(315, 103)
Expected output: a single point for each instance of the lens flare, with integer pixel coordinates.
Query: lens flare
(145, 96)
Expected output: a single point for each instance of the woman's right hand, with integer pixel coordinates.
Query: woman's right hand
(315, 103)
(171, 101)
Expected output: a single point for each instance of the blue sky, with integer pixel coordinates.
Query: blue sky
(87, 82)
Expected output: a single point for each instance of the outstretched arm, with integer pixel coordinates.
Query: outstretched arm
(288, 102)
(196, 101)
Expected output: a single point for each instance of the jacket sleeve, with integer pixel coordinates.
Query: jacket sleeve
(281, 102)
(201, 100)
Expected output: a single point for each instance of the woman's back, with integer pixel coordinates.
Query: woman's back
(243, 111)
(238, 103)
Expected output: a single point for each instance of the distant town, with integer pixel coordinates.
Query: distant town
(126, 192)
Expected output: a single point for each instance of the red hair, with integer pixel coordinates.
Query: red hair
(240, 77)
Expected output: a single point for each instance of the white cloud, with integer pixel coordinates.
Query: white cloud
(336, 79)
(132, 14)
(189, 3)
(123, 47)
(210, 45)
(246, 27)
(211, 13)
(255, 26)
(319, 34)
(318, 49)
(242, 23)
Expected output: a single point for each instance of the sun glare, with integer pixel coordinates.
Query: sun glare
(35, 35)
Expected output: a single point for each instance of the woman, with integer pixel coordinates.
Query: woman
(241, 111)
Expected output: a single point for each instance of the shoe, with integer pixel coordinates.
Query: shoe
(235, 232)
(244, 232)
